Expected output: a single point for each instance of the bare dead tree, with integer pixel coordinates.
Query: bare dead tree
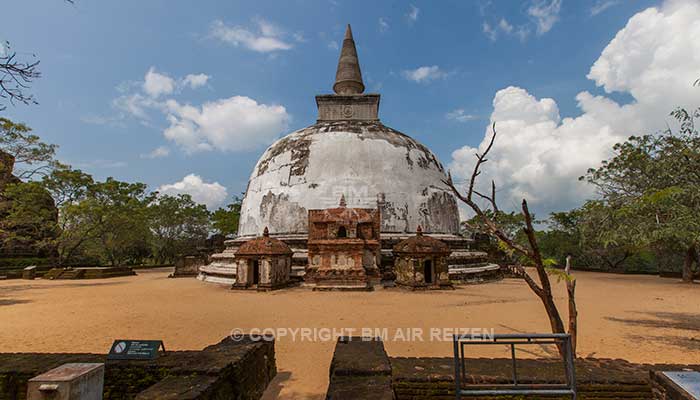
(15, 77)
(530, 253)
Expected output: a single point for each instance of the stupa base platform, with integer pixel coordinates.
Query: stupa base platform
(341, 287)
(223, 274)
(476, 274)
(405, 286)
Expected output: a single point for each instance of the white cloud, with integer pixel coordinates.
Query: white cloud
(506, 28)
(235, 124)
(333, 45)
(602, 5)
(424, 74)
(101, 163)
(299, 37)
(135, 104)
(268, 37)
(383, 24)
(413, 13)
(195, 81)
(545, 13)
(238, 123)
(539, 156)
(460, 115)
(158, 152)
(212, 195)
(268, 29)
(490, 31)
(156, 84)
(522, 32)
(4, 48)
(102, 120)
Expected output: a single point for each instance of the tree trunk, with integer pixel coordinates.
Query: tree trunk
(555, 320)
(690, 256)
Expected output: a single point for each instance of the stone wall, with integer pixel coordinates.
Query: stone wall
(188, 266)
(433, 378)
(231, 370)
(362, 370)
(88, 273)
(664, 388)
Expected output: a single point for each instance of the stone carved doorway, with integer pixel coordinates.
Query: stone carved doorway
(428, 271)
(256, 272)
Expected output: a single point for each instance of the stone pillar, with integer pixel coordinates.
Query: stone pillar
(73, 381)
(29, 273)
(242, 272)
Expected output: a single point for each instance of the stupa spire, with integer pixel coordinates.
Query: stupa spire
(348, 78)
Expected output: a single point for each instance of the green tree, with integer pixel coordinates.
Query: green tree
(76, 221)
(562, 236)
(104, 220)
(67, 185)
(177, 226)
(28, 223)
(652, 186)
(120, 211)
(225, 220)
(577, 233)
(79, 230)
(30, 153)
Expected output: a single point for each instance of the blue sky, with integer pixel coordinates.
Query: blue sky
(95, 56)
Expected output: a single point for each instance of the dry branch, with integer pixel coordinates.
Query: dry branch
(531, 253)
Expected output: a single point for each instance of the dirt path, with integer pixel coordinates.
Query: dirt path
(638, 318)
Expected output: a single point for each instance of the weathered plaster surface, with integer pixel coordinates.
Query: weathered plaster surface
(371, 164)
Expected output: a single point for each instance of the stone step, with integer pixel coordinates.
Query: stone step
(72, 274)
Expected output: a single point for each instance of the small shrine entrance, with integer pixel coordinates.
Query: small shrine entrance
(256, 272)
(428, 271)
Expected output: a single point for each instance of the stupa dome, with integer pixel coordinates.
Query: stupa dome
(349, 152)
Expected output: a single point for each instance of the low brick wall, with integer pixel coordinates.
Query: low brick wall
(231, 370)
(360, 369)
(596, 379)
(88, 273)
(188, 266)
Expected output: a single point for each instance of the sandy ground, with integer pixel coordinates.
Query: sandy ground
(638, 318)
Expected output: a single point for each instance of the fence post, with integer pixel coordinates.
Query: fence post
(458, 373)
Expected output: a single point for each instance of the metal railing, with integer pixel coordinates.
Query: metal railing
(562, 340)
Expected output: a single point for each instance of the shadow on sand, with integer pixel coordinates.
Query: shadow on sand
(274, 389)
(11, 302)
(668, 320)
(9, 290)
